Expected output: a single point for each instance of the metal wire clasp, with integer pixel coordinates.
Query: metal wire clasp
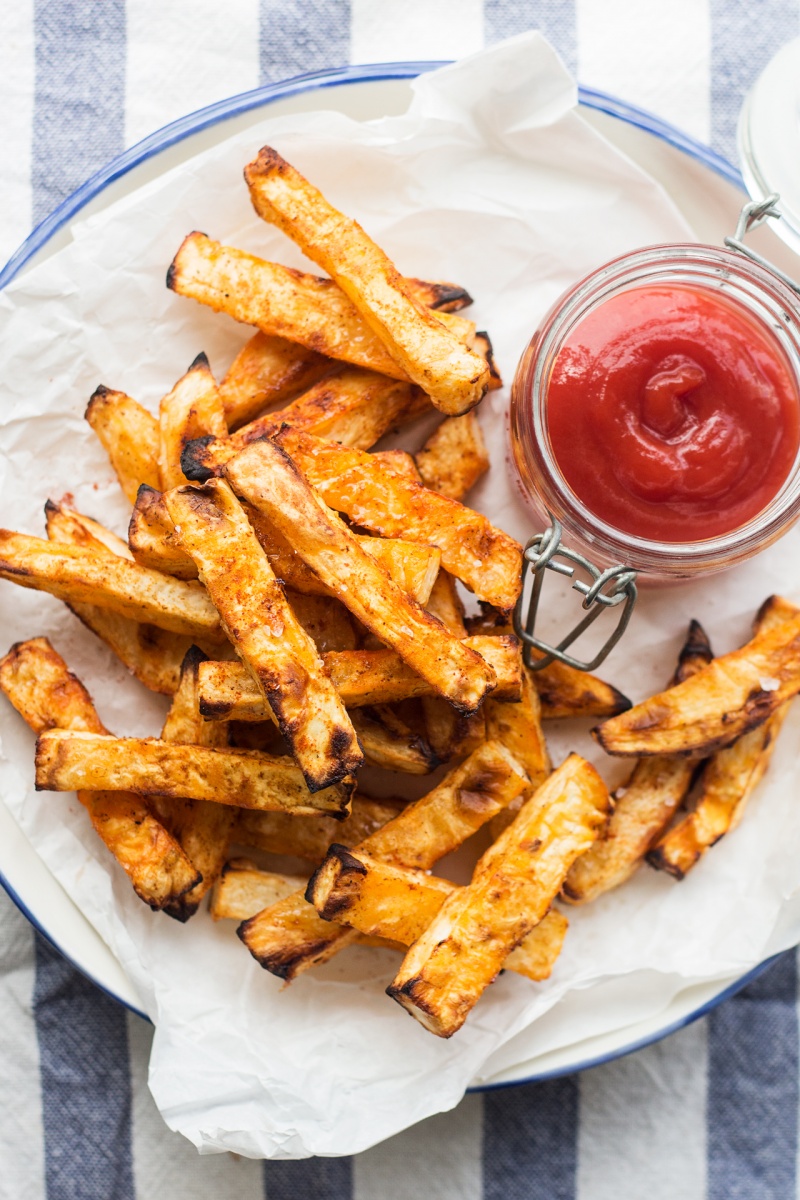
(752, 215)
(607, 589)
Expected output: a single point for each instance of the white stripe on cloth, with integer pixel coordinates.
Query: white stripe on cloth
(654, 55)
(642, 1127)
(397, 30)
(182, 57)
(439, 1159)
(21, 1136)
(17, 71)
(165, 1165)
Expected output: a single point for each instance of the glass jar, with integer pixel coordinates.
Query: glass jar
(770, 304)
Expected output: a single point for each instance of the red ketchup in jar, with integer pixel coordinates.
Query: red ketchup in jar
(672, 413)
(655, 413)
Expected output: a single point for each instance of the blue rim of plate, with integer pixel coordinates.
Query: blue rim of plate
(234, 106)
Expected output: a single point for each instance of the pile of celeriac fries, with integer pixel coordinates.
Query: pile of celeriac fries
(294, 592)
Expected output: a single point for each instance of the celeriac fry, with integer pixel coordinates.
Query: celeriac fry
(202, 828)
(243, 778)
(356, 483)
(563, 690)
(325, 620)
(193, 409)
(483, 345)
(269, 480)
(151, 537)
(266, 372)
(399, 461)
(129, 434)
(431, 356)
(396, 903)
(153, 655)
(265, 632)
(289, 937)
(84, 577)
(733, 694)
(518, 726)
(727, 779)
(643, 806)
(48, 696)
(361, 677)
(448, 731)
(242, 890)
(280, 301)
(460, 953)
(454, 457)
(310, 837)
(350, 406)
(389, 743)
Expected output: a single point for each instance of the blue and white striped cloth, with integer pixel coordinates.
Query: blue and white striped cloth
(712, 1112)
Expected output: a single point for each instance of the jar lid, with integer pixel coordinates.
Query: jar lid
(769, 140)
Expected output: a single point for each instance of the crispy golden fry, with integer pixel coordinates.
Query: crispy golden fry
(483, 345)
(396, 903)
(733, 694)
(242, 890)
(153, 655)
(350, 406)
(361, 677)
(193, 409)
(67, 525)
(48, 696)
(289, 937)
(514, 883)
(563, 691)
(454, 457)
(265, 632)
(151, 536)
(448, 731)
(727, 779)
(266, 372)
(152, 539)
(487, 560)
(431, 356)
(202, 828)
(644, 806)
(80, 577)
(325, 620)
(243, 778)
(399, 461)
(389, 743)
(518, 726)
(310, 837)
(268, 479)
(286, 303)
(129, 434)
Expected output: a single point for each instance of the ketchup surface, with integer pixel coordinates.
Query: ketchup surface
(673, 416)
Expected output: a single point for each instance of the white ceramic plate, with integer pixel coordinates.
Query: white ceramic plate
(708, 191)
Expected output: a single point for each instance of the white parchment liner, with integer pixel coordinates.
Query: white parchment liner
(493, 180)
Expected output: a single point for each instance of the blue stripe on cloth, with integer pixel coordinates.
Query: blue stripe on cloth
(530, 1141)
(79, 107)
(86, 1087)
(753, 1089)
(555, 18)
(743, 39)
(302, 35)
(322, 1178)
